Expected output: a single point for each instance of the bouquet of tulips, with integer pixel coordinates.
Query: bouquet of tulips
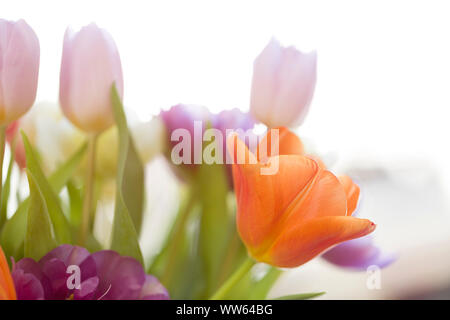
(245, 198)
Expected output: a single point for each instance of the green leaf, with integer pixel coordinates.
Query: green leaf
(60, 177)
(133, 185)
(301, 296)
(14, 230)
(176, 258)
(215, 223)
(58, 219)
(39, 237)
(250, 288)
(76, 204)
(5, 192)
(261, 288)
(124, 236)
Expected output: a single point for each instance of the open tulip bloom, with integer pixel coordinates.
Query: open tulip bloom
(287, 209)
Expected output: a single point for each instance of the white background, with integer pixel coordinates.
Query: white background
(383, 68)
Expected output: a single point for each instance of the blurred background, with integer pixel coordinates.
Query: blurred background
(380, 110)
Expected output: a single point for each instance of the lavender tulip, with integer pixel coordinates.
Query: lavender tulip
(19, 69)
(283, 85)
(358, 254)
(186, 116)
(90, 66)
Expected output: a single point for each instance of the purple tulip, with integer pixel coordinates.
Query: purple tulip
(19, 69)
(185, 117)
(232, 120)
(358, 254)
(90, 66)
(104, 275)
(283, 85)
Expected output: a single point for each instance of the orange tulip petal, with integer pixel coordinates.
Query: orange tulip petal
(262, 199)
(7, 290)
(326, 197)
(352, 192)
(318, 160)
(301, 243)
(288, 143)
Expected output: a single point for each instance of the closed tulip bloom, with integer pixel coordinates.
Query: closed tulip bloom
(288, 218)
(7, 290)
(19, 69)
(90, 66)
(283, 85)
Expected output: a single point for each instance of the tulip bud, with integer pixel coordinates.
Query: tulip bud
(90, 66)
(283, 85)
(19, 69)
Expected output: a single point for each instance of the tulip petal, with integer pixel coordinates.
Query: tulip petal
(19, 69)
(24, 273)
(28, 286)
(300, 243)
(261, 201)
(288, 143)
(359, 254)
(153, 290)
(297, 80)
(7, 290)
(121, 277)
(352, 191)
(264, 82)
(325, 197)
(90, 66)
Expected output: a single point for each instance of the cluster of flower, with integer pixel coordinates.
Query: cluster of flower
(282, 219)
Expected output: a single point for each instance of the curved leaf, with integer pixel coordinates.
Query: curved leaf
(14, 230)
(39, 237)
(76, 204)
(5, 192)
(124, 236)
(301, 296)
(133, 186)
(59, 220)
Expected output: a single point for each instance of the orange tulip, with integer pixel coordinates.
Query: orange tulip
(7, 291)
(288, 218)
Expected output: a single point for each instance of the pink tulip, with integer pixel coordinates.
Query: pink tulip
(283, 85)
(90, 66)
(19, 69)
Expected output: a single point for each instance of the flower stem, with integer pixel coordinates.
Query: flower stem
(177, 234)
(89, 189)
(233, 280)
(2, 155)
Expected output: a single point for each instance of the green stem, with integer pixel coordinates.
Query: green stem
(229, 258)
(89, 189)
(178, 233)
(2, 155)
(233, 280)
